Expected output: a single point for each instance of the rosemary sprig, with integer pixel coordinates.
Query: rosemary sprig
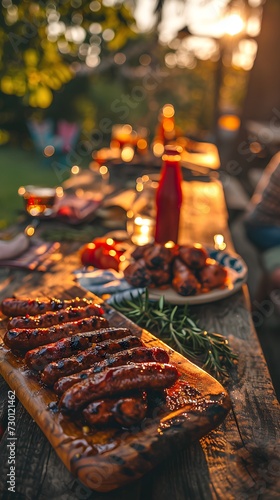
(174, 326)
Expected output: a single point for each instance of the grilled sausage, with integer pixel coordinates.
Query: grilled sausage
(67, 366)
(54, 318)
(38, 358)
(158, 255)
(24, 339)
(127, 411)
(139, 251)
(194, 256)
(161, 276)
(137, 274)
(184, 281)
(135, 355)
(212, 275)
(21, 307)
(118, 380)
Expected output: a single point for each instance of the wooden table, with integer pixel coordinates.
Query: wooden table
(239, 460)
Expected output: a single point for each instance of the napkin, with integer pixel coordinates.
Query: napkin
(109, 281)
(36, 256)
(13, 248)
(72, 209)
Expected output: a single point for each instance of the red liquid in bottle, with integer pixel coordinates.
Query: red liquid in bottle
(169, 196)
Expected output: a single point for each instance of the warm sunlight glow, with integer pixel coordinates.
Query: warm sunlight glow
(233, 24)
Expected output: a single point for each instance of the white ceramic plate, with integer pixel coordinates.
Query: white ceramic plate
(237, 272)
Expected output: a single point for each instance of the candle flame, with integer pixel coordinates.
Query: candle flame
(219, 242)
(169, 244)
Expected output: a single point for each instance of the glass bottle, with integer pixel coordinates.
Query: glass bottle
(169, 196)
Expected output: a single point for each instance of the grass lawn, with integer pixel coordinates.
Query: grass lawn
(18, 168)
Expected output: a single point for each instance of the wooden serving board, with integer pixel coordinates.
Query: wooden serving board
(105, 460)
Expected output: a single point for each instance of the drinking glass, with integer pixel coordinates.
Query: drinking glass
(142, 215)
(38, 200)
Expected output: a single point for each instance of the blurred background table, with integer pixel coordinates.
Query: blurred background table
(203, 213)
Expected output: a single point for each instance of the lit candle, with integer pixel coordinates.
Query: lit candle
(219, 242)
(143, 230)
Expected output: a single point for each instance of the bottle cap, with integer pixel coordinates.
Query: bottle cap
(173, 151)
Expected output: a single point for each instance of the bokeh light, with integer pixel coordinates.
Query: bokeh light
(119, 58)
(75, 169)
(49, 151)
(108, 34)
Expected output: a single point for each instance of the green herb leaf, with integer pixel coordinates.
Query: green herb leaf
(174, 326)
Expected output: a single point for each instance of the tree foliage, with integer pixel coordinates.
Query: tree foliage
(43, 45)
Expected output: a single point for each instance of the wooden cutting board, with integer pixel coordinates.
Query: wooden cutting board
(107, 459)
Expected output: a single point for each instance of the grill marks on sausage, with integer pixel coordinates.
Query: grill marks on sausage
(28, 338)
(38, 358)
(110, 369)
(135, 355)
(57, 317)
(67, 366)
(21, 307)
(126, 411)
(117, 381)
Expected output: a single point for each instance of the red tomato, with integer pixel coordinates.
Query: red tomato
(87, 254)
(106, 261)
(101, 253)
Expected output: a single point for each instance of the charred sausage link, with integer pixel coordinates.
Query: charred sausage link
(55, 318)
(118, 380)
(135, 355)
(21, 307)
(38, 358)
(25, 339)
(53, 371)
(127, 411)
